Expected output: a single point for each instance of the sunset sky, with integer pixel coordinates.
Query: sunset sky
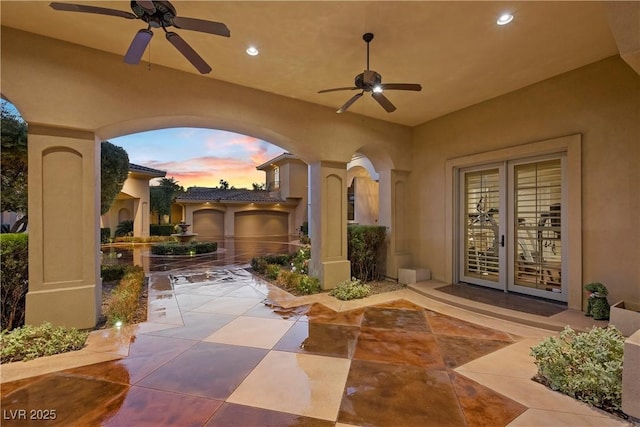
(200, 157)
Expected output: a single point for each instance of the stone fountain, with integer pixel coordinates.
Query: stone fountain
(184, 237)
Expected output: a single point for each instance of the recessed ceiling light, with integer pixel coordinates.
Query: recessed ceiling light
(504, 19)
(252, 51)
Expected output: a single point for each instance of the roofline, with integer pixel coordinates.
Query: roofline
(155, 173)
(277, 159)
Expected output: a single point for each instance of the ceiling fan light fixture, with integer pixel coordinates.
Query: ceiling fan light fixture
(504, 19)
(252, 51)
(378, 89)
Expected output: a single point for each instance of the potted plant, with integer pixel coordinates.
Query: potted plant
(597, 303)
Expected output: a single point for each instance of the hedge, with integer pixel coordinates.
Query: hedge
(193, 248)
(14, 281)
(161, 229)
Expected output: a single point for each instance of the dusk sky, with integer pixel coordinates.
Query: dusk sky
(200, 157)
(197, 157)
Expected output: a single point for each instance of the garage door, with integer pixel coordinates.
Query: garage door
(208, 223)
(261, 224)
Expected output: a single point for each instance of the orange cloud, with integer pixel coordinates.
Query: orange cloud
(207, 171)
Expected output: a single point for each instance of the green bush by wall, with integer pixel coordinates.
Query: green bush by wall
(105, 235)
(161, 229)
(365, 248)
(14, 280)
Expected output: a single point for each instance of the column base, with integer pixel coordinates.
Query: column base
(334, 272)
(631, 376)
(70, 307)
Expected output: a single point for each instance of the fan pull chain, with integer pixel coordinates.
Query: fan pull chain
(149, 65)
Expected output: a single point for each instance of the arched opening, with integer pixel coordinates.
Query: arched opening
(124, 214)
(14, 170)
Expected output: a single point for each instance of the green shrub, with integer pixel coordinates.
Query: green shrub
(29, 342)
(125, 228)
(300, 283)
(287, 279)
(123, 302)
(272, 271)
(350, 289)
(105, 235)
(300, 260)
(280, 259)
(586, 366)
(161, 229)
(305, 240)
(175, 248)
(259, 265)
(14, 280)
(309, 285)
(111, 272)
(365, 247)
(150, 239)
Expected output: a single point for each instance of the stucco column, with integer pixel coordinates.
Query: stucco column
(393, 215)
(187, 215)
(64, 216)
(328, 217)
(230, 222)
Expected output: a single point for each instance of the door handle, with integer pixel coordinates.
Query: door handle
(502, 240)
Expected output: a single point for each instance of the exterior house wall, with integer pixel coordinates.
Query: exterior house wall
(366, 201)
(601, 102)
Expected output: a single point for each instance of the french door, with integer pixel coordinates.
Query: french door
(510, 226)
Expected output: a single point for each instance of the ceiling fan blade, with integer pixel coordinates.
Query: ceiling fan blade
(384, 102)
(188, 52)
(193, 24)
(147, 5)
(68, 7)
(337, 89)
(347, 104)
(401, 86)
(138, 46)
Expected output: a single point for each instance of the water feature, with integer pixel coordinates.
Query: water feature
(184, 237)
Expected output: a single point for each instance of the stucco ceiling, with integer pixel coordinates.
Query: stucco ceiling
(454, 49)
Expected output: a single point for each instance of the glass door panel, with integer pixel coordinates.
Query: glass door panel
(481, 226)
(537, 204)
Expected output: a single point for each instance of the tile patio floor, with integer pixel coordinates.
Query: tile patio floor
(223, 348)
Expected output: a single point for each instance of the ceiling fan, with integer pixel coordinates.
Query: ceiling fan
(371, 81)
(157, 14)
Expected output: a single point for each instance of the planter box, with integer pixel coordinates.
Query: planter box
(626, 317)
(409, 276)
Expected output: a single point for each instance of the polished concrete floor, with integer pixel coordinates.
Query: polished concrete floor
(223, 348)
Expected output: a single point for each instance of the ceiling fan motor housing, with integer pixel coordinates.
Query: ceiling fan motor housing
(368, 80)
(161, 17)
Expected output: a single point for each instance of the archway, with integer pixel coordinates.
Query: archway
(74, 97)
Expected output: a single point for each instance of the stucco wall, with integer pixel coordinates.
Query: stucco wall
(600, 101)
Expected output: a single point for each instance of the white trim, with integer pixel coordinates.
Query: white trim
(571, 145)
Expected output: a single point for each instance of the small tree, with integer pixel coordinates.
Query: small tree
(14, 166)
(162, 196)
(257, 187)
(114, 169)
(224, 184)
(365, 247)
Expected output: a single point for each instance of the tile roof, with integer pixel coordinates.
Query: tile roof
(205, 194)
(145, 170)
